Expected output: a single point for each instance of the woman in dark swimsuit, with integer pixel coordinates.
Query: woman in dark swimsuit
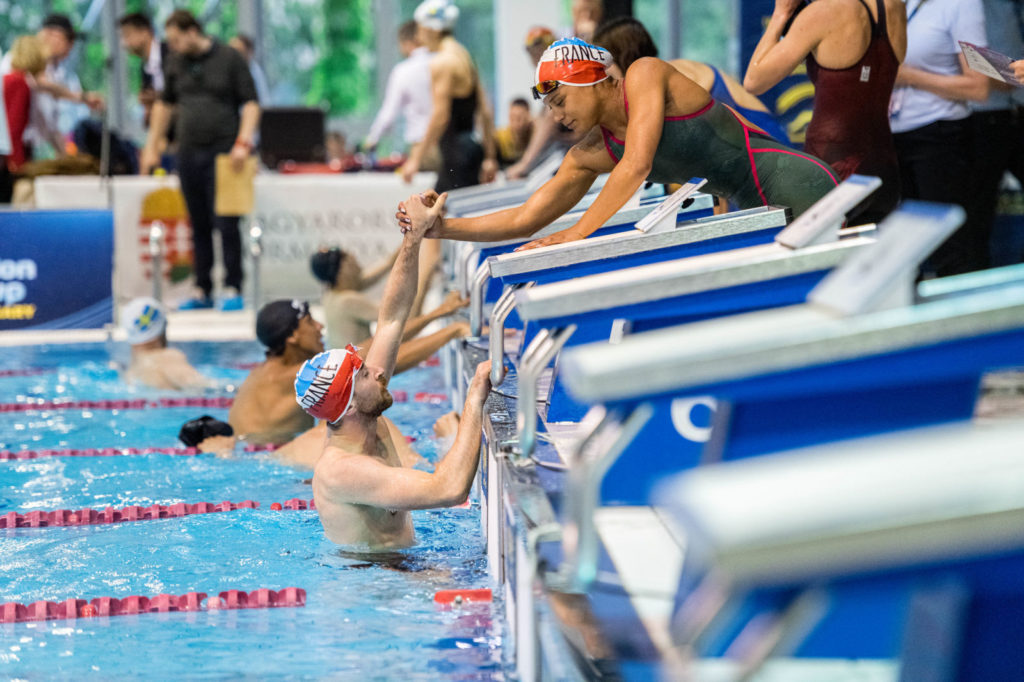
(655, 124)
(853, 50)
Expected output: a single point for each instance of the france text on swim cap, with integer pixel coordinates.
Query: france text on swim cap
(577, 52)
(320, 386)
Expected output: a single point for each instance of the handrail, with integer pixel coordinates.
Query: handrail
(544, 347)
(595, 455)
(496, 339)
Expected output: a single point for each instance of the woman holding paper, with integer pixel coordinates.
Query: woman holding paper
(654, 124)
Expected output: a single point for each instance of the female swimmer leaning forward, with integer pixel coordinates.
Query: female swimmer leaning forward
(654, 124)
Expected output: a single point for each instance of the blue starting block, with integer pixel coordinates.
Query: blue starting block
(904, 546)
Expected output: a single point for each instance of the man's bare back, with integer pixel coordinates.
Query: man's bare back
(265, 410)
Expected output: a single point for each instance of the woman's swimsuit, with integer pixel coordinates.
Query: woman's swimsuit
(850, 128)
(461, 155)
(764, 120)
(739, 163)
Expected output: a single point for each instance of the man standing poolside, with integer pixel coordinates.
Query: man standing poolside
(363, 484)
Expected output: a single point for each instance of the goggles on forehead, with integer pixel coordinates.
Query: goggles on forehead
(543, 89)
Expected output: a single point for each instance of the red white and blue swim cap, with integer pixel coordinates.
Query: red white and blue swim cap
(323, 386)
(572, 61)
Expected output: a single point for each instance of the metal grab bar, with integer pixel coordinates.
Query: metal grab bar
(496, 339)
(596, 453)
(156, 253)
(535, 359)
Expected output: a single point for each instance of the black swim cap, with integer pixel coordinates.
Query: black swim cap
(277, 320)
(195, 431)
(325, 264)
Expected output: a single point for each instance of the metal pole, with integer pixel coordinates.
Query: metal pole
(675, 25)
(117, 76)
(256, 251)
(156, 252)
(250, 22)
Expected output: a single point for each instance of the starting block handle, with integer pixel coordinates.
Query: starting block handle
(663, 217)
(882, 276)
(820, 224)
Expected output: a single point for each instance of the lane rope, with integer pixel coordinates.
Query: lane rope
(117, 452)
(13, 612)
(91, 517)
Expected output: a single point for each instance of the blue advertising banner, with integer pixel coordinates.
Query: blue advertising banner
(792, 100)
(56, 269)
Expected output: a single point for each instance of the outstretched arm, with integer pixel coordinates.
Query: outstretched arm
(557, 196)
(374, 274)
(367, 480)
(401, 287)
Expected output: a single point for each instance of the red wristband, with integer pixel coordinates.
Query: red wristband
(239, 142)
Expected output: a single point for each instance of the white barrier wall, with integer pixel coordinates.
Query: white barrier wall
(299, 213)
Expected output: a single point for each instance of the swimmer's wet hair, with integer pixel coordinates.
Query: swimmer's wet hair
(627, 39)
(325, 264)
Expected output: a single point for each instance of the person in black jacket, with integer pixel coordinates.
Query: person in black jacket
(209, 87)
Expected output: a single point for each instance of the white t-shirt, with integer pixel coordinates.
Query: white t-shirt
(933, 32)
(408, 93)
(5, 134)
(154, 65)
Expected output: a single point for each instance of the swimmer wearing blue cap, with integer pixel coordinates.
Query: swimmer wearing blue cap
(363, 484)
(153, 363)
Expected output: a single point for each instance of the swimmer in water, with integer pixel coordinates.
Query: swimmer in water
(349, 312)
(654, 124)
(153, 363)
(363, 485)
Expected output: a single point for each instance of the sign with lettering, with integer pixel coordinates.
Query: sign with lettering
(56, 269)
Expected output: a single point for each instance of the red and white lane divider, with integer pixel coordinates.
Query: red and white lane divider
(399, 396)
(117, 452)
(13, 612)
(93, 517)
(135, 404)
(32, 372)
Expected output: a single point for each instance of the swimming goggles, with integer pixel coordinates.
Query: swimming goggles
(543, 89)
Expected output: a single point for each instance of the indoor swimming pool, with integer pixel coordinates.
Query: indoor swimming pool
(363, 618)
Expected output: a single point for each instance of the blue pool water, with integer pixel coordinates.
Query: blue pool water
(360, 622)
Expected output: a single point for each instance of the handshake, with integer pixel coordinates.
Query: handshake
(421, 215)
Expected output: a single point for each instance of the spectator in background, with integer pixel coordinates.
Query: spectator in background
(929, 117)
(459, 104)
(53, 84)
(587, 15)
(407, 95)
(27, 60)
(513, 139)
(209, 86)
(336, 146)
(628, 40)
(549, 136)
(853, 50)
(139, 39)
(997, 131)
(247, 49)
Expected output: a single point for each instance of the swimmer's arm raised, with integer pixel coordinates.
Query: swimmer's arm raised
(400, 291)
(374, 274)
(775, 58)
(556, 197)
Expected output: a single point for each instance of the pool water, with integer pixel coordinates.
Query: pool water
(361, 620)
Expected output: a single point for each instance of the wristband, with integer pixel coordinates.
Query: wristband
(239, 142)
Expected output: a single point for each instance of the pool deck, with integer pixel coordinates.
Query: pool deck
(187, 325)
